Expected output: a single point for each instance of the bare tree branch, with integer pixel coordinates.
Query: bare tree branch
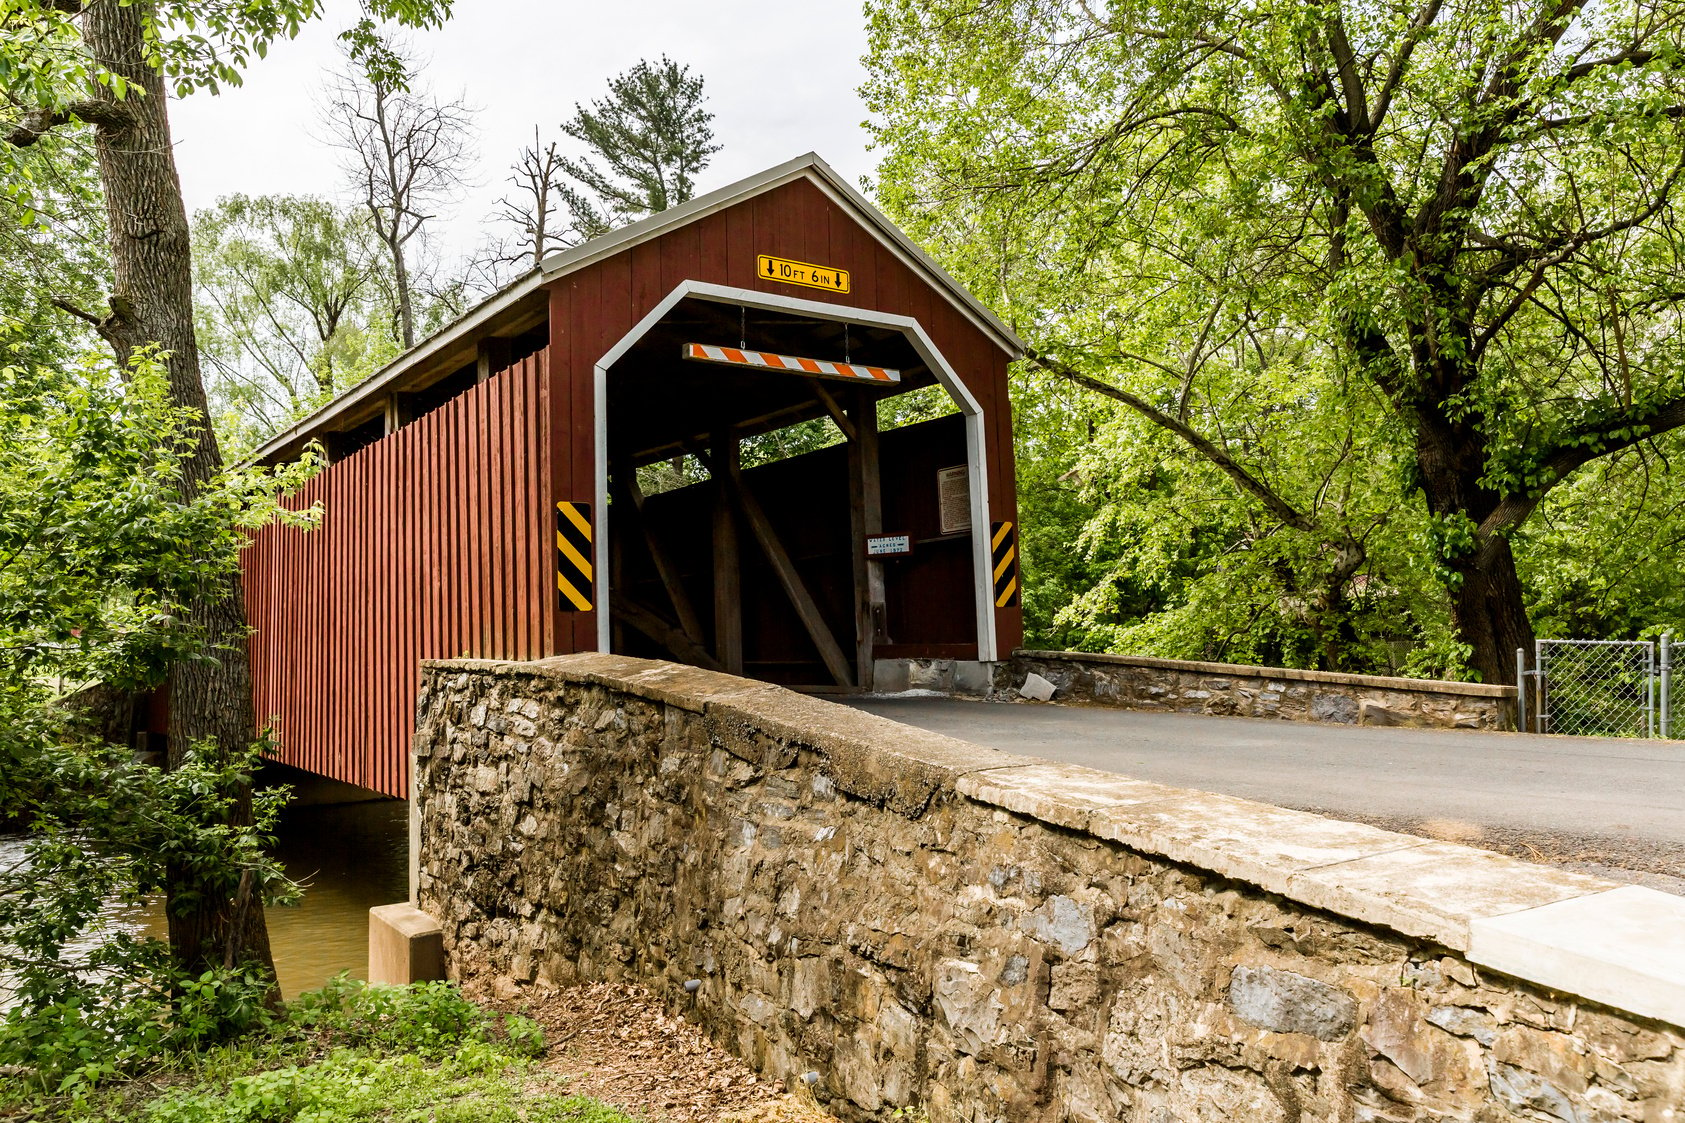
(1634, 55)
(111, 326)
(407, 154)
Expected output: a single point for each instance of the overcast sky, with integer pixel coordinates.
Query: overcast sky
(780, 77)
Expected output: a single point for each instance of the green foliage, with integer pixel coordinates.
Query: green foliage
(1602, 559)
(99, 555)
(99, 551)
(349, 1052)
(652, 137)
(524, 1035)
(130, 1010)
(1386, 300)
(427, 1018)
(293, 307)
(52, 247)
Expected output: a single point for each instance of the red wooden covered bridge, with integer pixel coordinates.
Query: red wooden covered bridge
(694, 438)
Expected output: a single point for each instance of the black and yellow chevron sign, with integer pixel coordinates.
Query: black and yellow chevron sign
(573, 557)
(1004, 544)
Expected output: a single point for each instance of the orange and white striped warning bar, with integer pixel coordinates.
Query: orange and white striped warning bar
(824, 368)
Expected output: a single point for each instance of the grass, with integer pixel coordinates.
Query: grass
(347, 1054)
(479, 1084)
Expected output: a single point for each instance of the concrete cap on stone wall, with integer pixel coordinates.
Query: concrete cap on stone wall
(1624, 948)
(867, 756)
(688, 688)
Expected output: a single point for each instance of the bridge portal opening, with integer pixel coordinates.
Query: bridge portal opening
(791, 521)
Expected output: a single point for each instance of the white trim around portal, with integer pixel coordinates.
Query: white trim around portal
(976, 443)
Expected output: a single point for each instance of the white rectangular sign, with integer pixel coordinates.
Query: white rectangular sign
(889, 545)
(953, 492)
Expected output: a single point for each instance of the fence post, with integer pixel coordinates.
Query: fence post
(1666, 706)
(1521, 690)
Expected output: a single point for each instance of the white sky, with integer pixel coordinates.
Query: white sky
(780, 78)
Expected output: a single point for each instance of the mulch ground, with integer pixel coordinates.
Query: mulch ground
(616, 1043)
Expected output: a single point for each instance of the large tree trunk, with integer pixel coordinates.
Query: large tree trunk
(210, 702)
(1489, 613)
(1488, 610)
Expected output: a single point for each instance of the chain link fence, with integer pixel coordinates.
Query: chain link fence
(1599, 688)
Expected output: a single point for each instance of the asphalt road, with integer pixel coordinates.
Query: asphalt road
(1601, 804)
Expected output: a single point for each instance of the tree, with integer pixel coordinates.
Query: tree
(100, 556)
(1462, 213)
(105, 65)
(653, 137)
(406, 155)
(52, 250)
(534, 211)
(292, 307)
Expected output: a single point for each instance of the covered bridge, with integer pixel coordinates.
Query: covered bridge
(696, 438)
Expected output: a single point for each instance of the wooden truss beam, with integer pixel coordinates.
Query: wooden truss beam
(728, 570)
(639, 618)
(807, 609)
(829, 401)
(664, 568)
(865, 511)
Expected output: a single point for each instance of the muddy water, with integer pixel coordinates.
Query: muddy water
(349, 857)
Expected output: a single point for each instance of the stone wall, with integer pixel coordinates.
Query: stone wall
(1139, 683)
(921, 921)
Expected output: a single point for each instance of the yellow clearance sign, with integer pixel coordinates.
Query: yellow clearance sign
(801, 273)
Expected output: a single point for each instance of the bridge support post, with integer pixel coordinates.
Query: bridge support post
(865, 508)
(405, 946)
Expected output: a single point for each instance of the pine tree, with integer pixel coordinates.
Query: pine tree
(651, 135)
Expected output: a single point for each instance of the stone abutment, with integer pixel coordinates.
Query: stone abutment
(921, 921)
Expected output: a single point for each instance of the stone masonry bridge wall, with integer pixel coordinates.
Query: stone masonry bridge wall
(923, 921)
(1135, 682)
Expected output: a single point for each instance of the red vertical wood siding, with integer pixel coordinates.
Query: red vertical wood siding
(430, 546)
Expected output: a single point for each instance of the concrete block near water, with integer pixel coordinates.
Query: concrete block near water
(405, 945)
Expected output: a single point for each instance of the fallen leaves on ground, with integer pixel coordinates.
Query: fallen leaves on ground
(787, 1108)
(617, 1043)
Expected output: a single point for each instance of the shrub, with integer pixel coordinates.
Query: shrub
(343, 1054)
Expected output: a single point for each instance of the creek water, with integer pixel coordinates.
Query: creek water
(348, 856)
